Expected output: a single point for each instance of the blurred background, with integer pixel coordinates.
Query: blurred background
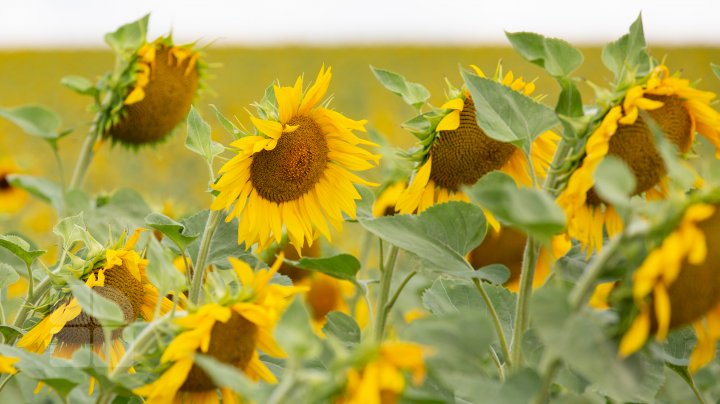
(250, 44)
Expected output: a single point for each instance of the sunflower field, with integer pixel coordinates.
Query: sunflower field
(536, 237)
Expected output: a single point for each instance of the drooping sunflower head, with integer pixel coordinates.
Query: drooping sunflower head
(296, 172)
(677, 108)
(161, 82)
(381, 378)
(455, 152)
(12, 199)
(678, 284)
(231, 331)
(119, 276)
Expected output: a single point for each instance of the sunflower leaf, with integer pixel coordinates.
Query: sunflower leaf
(342, 327)
(42, 188)
(628, 56)
(507, 115)
(414, 94)
(614, 181)
(715, 69)
(106, 311)
(228, 376)
(199, 138)
(343, 266)
(531, 210)
(35, 120)
(161, 272)
(20, 248)
(58, 374)
(175, 231)
(441, 235)
(129, 37)
(556, 56)
(8, 275)
(569, 101)
(79, 84)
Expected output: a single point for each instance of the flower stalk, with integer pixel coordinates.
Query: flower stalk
(385, 282)
(199, 267)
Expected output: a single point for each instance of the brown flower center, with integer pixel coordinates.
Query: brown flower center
(4, 183)
(294, 166)
(462, 156)
(168, 96)
(697, 288)
(635, 145)
(232, 343)
(505, 248)
(324, 296)
(122, 288)
(674, 120)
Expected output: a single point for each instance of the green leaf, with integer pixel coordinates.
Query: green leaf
(413, 94)
(447, 296)
(42, 188)
(106, 311)
(364, 207)
(225, 375)
(294, 333)
(531, 210)
(342, 327)
(35, 120)
(556, 56)
(520, 387)
(226, 123)
(495, 273)
(20, 248)
(79, 84)
(161, 271)
(570, 101)
(199, 139)
(109, 217)
(628, 55)
(343, 266)
(175, 231)
(10, 332)
(581, 342)
(441, 235)
(614, 181)
(507, 115)
(129, 37)
(715, 69)
(8, 275)
(58, 374)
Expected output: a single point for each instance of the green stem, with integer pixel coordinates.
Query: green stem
(548, 375)
(142, 343)
(199, 266)
(60, 167)
(498, 364)
(42, 288)
(7, 379)
(385, 281)
(496, 320)
(523, 302)
(396, 295)
(85, 157)
(31, 284)
(691, 382)
(587, 282)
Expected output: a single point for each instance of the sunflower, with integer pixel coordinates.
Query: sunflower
(231, 332)
(164, 80)
(381, 380)
(121, 277)
(679, 284)
(7, 365)
(296, 172)
(459, 153)
(679, 109)
(12, 199)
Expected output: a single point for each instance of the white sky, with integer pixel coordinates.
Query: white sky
(82, 23)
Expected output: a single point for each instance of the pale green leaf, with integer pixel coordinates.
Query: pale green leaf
(42, 188)
(628, 54)
(106, 311)
(343, 266)
(199, 138)
(614, 181)
(8, 275)
(129, 37)
(342, 327)
(35, 120)
(175, 231)
(20, 248)
(556, 56)
(413, 94)
(79, 84)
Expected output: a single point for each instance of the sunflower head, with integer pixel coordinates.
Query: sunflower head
(455, 152)
(678, 284)
(161, 83)
(12, 199)
(231, 330)
(679, 110)
(116, 274)
(296, 171)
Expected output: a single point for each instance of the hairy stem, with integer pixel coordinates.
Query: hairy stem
(199, 266)
(86, 155)
(385, 281)
(496, 320)
(522, 317)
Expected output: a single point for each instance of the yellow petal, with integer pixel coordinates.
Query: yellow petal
(450, 121)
